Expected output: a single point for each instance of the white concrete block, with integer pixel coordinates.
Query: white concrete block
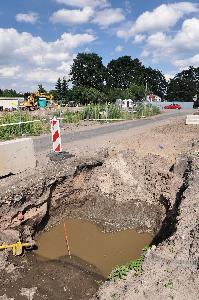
(192, 119)
(16, 156)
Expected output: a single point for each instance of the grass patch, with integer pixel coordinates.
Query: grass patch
(103, 112)
(120, 272)
(29, 129)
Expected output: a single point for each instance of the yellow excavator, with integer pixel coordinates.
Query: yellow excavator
(32, 103)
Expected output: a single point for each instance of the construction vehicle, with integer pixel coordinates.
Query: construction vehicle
(36, 100)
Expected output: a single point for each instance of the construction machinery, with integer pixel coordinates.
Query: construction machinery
(37, 100)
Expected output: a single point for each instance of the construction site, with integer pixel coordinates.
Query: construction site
(111, 213)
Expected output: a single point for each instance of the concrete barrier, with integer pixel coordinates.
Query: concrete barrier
(192, 119)
(16, 156)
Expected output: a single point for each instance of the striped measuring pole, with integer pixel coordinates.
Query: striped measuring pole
(56, 135)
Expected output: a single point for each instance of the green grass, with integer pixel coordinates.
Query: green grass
(13, 131)
(100, 111)
(120, 272)
(103, 112)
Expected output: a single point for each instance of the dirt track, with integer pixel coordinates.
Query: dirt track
(131, 184)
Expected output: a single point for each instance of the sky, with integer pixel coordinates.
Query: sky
(40, 38)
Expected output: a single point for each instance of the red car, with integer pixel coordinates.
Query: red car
(173, 106)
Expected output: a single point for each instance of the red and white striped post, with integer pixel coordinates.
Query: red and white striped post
(56, 135)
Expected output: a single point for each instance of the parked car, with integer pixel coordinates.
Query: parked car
(173, 106)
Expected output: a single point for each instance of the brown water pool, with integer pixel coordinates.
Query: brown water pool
(86, 241)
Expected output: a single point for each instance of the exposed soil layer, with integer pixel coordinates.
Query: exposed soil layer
(170, 270)
(141, 184)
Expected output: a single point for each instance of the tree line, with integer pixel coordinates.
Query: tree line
(123, 78)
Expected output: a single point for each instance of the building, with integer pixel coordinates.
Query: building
(125, 104)
(153, 98)
(10, 103)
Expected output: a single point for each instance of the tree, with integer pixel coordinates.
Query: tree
(86, 95)
(64, 88)
(136, 92)
(41, 89)
(156, 82)
(88, 71)
(123, 71)
(58, 88)
(184, 86)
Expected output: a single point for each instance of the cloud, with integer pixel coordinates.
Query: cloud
(27, 18)
(181, 49)
(84, 3)
(139, 38)
(30, 59)
(9, 71)
(76, 16)
(168, 76)
(185, 63)
(108, 16)
(162, 18)
(119, 48)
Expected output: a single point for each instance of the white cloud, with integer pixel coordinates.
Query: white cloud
(30, 59)
(163, 17)
(119, 48)
(180, 49)
(84, 3)
(76, 16)
(27, 18)
(139, 38)
(185, 63)
(108, 16)
(168, 76)
(9, 71)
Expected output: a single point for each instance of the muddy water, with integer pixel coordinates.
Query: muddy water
(86, 241)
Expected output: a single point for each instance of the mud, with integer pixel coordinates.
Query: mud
(86, 241)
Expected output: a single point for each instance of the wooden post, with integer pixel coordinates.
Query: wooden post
(66, 238)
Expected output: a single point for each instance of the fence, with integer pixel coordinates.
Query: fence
(184, 105)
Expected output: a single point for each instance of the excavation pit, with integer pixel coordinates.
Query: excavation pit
(101, 250)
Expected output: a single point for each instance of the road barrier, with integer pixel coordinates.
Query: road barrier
(56, 135)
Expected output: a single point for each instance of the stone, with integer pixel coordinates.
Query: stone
(16, 156)
(192, 119)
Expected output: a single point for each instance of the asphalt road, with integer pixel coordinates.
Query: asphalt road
(44, 142)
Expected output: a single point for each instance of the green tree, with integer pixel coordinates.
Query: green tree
(55, 95)
(64, 88)
(123, 71)
(58, 88)
(156, 82)
(184, 86)
(86, 95)
(41, 88)
(136, 92)
(88, 71)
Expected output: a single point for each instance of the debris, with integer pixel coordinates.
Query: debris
(29, 293)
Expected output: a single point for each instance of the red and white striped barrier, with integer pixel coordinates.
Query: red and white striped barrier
(56, 135)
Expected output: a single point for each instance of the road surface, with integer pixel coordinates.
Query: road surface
(43, 143)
